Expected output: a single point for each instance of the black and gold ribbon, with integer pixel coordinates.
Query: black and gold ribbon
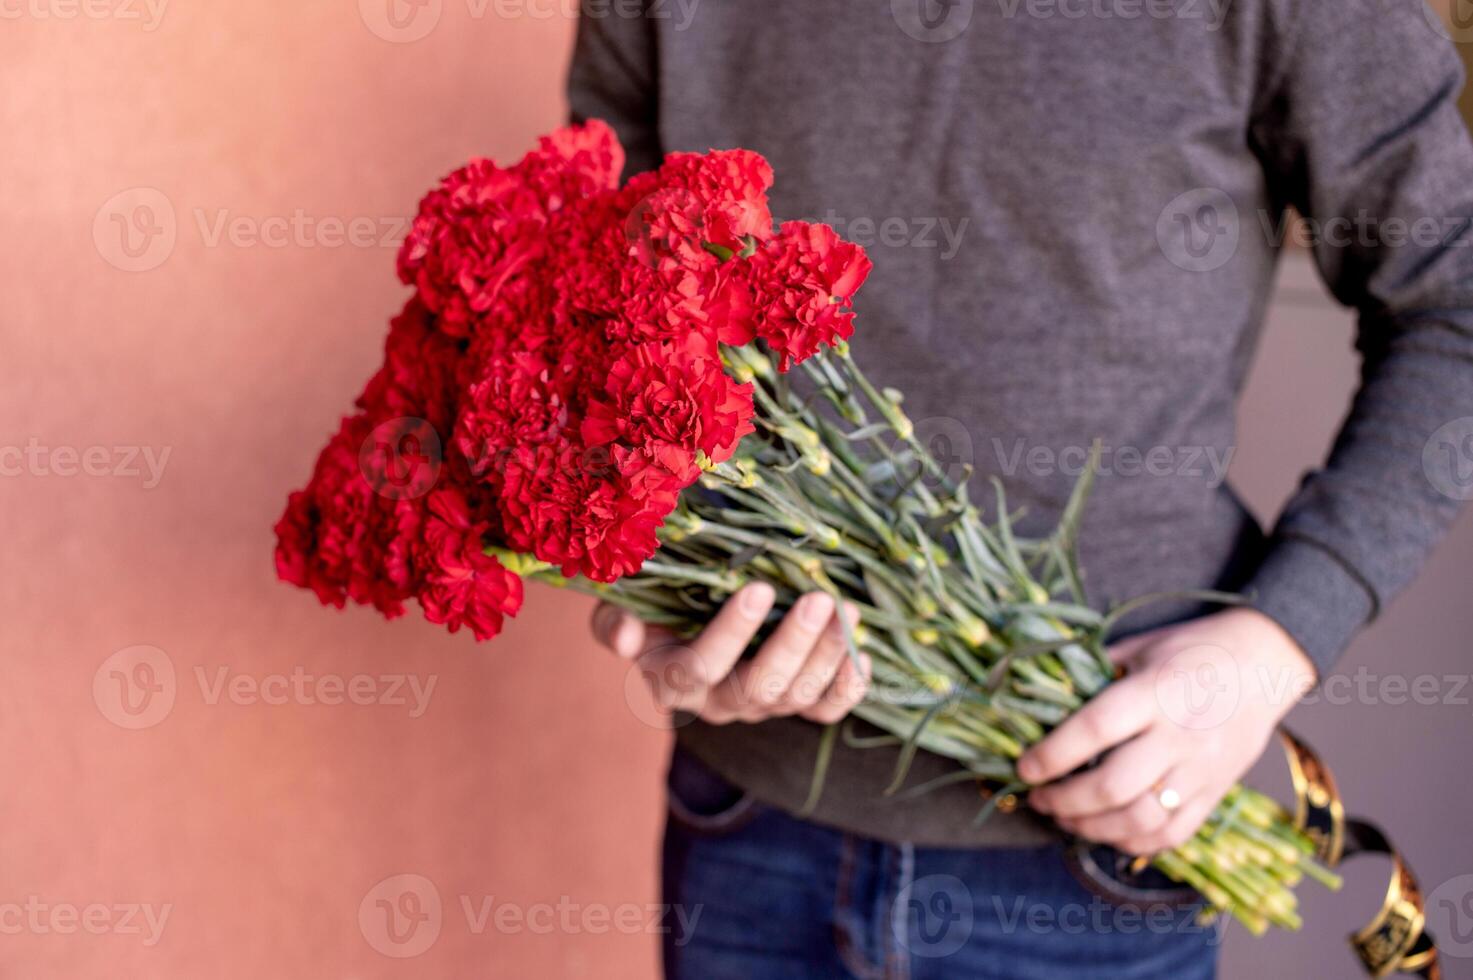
(1396, 940)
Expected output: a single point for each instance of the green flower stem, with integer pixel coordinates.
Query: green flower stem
(975, 655)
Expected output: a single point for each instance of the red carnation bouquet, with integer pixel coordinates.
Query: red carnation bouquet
(556, 380)
(645, 392)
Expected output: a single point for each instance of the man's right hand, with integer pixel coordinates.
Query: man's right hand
(804, 668)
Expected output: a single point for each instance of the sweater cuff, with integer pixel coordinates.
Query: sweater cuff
(1314, 595)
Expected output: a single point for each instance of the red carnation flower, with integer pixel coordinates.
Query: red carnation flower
(575, 162)
(471, 236)
(343, 540)
(674, 393)
(594, 511)
(804, 279)
(463, 586)
(731, 189)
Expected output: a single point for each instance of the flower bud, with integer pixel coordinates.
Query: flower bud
(938, 682)
(973, 631)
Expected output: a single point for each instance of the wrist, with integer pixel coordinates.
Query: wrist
(1282, 667)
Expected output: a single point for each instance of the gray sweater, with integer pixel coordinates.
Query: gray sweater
(1074, 209)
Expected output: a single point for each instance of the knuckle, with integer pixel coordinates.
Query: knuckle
(1047, 758)
(1149, 818)
(753, 685)
(1114, 790)
(782, 709)
(1093, 726)
(717, 715)
(784, 651)
(1175, 836)
(734, 692)
(826, 713)
(806, 690)
(751, 713)
(1065, 803)
(763, 691)
(1089, 828)
(1140, 825)
(769, 690)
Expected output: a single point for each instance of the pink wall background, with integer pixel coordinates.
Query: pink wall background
(262, 828)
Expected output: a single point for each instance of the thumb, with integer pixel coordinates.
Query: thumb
(620, 631)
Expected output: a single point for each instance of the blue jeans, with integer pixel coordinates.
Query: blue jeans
(757, 894)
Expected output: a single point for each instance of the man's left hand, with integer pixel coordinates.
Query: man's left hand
(1198, 703)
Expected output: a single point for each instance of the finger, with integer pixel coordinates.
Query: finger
(682, 676)
(720, 707)
(846, 691)
(1121, 652)
(729, 700)
(767, 677)
(1178, 829)
(1118, 712)
(1127, 772)
(722, 642)
(619, 630)
(823, 664)
(1136, 820)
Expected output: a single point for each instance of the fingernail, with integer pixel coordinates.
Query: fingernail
(815, 610)
(755, 600)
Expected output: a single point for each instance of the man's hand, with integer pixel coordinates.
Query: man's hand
(804, 668)
(1195, 709)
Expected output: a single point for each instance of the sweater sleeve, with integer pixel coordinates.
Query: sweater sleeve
(1359, 130)
(613, 77)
